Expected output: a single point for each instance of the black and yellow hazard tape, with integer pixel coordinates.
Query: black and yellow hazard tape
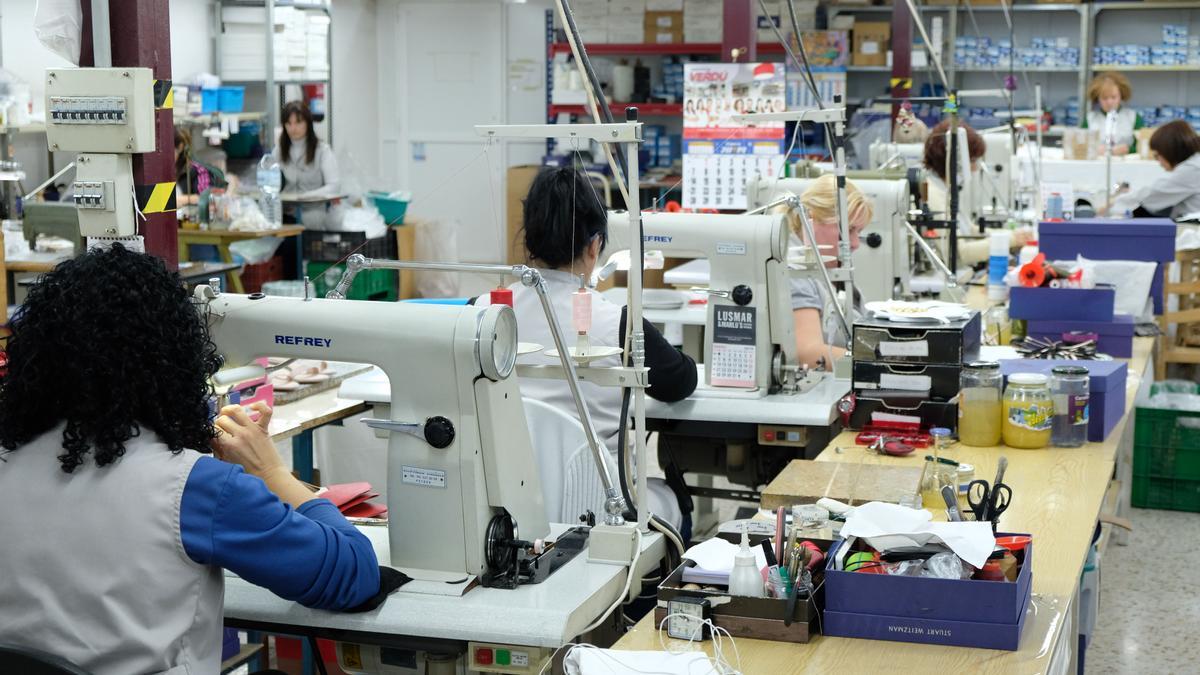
(164, 95)
(158, 198)
(902, 82)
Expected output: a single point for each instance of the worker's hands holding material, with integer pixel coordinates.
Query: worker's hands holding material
(241, 440)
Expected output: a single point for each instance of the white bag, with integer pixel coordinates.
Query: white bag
(437, 241)
(58, 25)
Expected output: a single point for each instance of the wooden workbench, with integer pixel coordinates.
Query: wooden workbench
(223, 238)
(1058, 494)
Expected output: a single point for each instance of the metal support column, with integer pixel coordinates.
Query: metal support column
(902, 31)
(740, 32)
(140, 35)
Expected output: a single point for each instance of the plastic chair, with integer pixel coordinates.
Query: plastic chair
(570, 483)
(28, 661)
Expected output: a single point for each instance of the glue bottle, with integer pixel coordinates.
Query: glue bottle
(998, 243)
(745, 579)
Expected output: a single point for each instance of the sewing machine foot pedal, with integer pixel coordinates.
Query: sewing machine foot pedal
(512, 562)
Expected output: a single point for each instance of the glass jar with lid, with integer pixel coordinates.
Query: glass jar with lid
(1028, 411)
(1069, 387)
(980, 390)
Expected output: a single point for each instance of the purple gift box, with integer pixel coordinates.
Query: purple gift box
(1116, 336)
(1146, 239)
(1106, 383)
(964, 613)
(1062, 304)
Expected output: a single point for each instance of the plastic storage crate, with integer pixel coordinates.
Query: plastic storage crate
(254, 275)
(337, 246)
(368, 284)
(1166, 459)
(231, 99)
(392, 209)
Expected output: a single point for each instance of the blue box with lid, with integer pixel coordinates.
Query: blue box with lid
(1106, 382)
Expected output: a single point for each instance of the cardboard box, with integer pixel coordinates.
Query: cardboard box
(1106, 389)
(664, 27)
(1064, 304)
(1145, 239)
(709, 8)
(626, 6)
(518, 180)
(664, 5)
(757, 618)
(964, 613)
(871, 42)
(1116, 336)
(890, 342)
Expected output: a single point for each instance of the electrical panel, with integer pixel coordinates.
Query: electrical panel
(109, 110)
(104, 195)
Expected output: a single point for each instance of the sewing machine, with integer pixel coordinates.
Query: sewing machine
(461, 474)
(747, 284)
(1085, 178)
(881, 263)
(887, 155)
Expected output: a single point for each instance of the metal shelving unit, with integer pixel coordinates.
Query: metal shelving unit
(272, 87)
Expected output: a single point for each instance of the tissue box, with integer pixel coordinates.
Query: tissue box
(757, 618)
(940, 382)
(1106, 387)
(928, 343)
(1066, 304)
(1147, 239)
(1116, 336)
(963, 613)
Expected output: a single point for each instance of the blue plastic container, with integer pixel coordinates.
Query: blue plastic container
(210, 100)
(231, 99)
(391, 209)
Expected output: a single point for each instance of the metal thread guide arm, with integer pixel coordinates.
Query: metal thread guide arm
(614, 505)
(837, 117)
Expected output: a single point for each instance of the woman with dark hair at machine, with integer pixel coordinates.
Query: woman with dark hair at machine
(309, 167)
(117, 521)
(1177, 148)
(565, 229)
(193, 178)
(970, 252)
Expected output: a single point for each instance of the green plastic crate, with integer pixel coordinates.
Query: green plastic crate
(368, 284)
(1166, 493)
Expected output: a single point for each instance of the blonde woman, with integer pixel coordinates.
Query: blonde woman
(820, 339)
(1110, 93)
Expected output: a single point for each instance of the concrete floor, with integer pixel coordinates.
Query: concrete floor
(1149, 603)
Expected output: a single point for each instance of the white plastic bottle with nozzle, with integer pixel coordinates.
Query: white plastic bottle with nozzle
(998, 241)
(745, 579)
(270, 183)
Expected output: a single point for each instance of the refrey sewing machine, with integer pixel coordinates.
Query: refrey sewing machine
(881, 263)
(461, 474)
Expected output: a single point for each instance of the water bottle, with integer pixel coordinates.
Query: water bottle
(270, 182)
(998, 243)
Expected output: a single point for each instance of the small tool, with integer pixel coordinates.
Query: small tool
(941, 460)
(951, 496)
(988, 501)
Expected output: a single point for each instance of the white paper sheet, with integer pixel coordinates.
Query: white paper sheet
(886, 526)
(716, 555)
(589, 661)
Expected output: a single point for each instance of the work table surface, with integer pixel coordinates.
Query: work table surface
(1058, 494)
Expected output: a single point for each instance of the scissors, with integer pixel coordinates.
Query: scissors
(988, 501)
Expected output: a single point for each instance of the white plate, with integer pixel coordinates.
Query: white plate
(662, 298)
(593, 354)
(524, 348)
(931, 310)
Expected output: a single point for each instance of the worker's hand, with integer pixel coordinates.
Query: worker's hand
(1021, 236)
(1120, 150)
(242, 440)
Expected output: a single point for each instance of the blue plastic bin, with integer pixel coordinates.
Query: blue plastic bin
(391, 209)
(231, 99)
(210, 100)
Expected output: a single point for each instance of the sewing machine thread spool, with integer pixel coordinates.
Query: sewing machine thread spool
(581, 317)
(502, 296)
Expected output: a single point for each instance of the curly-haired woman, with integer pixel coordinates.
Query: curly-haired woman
(115, 522)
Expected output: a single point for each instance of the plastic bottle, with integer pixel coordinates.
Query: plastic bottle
(745, 579)
(998, 243)
(270, 183)
(1028, 252)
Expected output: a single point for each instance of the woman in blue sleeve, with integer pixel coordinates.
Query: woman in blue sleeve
(116, 520)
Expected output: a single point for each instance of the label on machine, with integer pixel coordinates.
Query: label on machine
(733, 347)
(731, 248)
(414, 475)
(909, 348)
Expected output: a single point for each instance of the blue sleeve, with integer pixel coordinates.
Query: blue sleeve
(311, 555)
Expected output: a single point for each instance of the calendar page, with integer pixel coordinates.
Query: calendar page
(733, 350)
(720, 155)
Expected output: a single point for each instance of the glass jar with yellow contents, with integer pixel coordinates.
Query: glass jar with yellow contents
(1028, 411)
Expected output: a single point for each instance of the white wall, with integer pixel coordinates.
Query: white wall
(25, 57)
(356, 112)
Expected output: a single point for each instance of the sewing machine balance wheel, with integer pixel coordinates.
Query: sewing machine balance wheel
(498, 554)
